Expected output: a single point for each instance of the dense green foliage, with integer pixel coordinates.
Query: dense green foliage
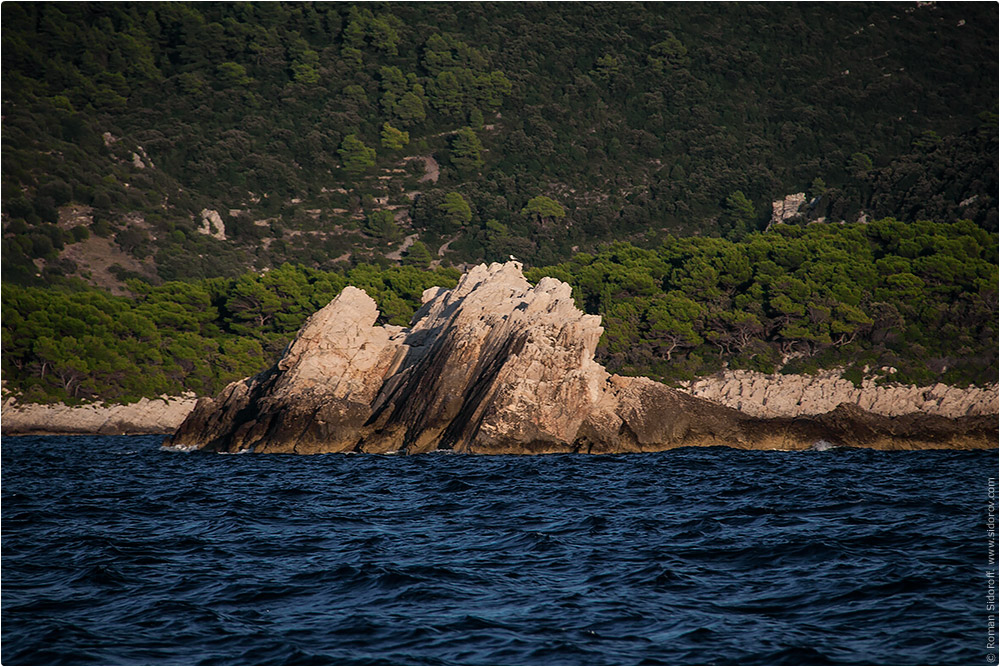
(636, 121)
(178, 336)
(920, 298)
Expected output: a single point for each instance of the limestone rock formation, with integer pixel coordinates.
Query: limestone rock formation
(492, 366)
(760, 395)
(148, 415)
(316, 398)
(212, 225)
(785, 209)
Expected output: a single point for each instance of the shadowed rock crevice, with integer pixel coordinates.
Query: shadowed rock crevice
(496, 366)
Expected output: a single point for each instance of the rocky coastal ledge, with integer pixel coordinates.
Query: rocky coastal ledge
(496, 366)
(760, 395)
(754, 394)
(148, 416)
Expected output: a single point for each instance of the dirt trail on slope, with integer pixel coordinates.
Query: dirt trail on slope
(407, 242)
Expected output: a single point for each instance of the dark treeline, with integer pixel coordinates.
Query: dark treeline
(918, 297)
(634, 120)
(86, 344)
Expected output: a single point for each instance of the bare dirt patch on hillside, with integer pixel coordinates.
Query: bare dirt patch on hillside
(432, 170)
(95, 256)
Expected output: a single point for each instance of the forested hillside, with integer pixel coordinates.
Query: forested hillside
(193, 140)
(183, 183)
(912, 303)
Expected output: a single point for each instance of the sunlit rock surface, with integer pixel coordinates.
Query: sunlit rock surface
(777, 395)
(148, 415)
(496, 366)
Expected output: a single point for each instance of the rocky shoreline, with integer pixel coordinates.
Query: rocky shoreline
(148, 416)
(776, 395)
(787, 397)
(497, 366)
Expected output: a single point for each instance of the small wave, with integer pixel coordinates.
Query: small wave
(104, 576)
(295, 491)
(792, 655)
(456, 486)
(823, 446)
(179, 447)
(595, 523)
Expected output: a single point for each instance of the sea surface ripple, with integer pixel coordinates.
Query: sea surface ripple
(117, 552)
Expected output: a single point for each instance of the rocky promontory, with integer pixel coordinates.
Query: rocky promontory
(496, 366)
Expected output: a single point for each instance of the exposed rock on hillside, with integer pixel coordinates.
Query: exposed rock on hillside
(212, 225)
(497, 366)
(785, 209)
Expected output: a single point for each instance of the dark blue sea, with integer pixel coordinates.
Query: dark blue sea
(116, 552)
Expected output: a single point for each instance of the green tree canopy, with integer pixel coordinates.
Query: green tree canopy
(669, 53)
(410, 108)
(456, 210)
(356, 156)
(739, 216)
(543, 208)
(232, 73)
(467, 151)
(394, 139)
(382, 225)
(417, 255)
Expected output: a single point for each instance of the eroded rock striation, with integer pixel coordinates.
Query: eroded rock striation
(496, 366)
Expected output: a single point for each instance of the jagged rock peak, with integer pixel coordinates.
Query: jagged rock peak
(494, 366)
(490, 362)
(338, 341)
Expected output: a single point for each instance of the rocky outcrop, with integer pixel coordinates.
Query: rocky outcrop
(212, 225)
(497, 366)
(760, 395)
(489, 363)
(785, 209)
(149, 415)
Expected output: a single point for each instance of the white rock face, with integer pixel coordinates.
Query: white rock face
(156, 415)
(339, 353)
(777, 395)
(493, 366)
(495, 360)
(787, 208)
(212, 225)
(145, 158)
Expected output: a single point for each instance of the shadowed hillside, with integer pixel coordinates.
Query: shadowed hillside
(208, 139)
